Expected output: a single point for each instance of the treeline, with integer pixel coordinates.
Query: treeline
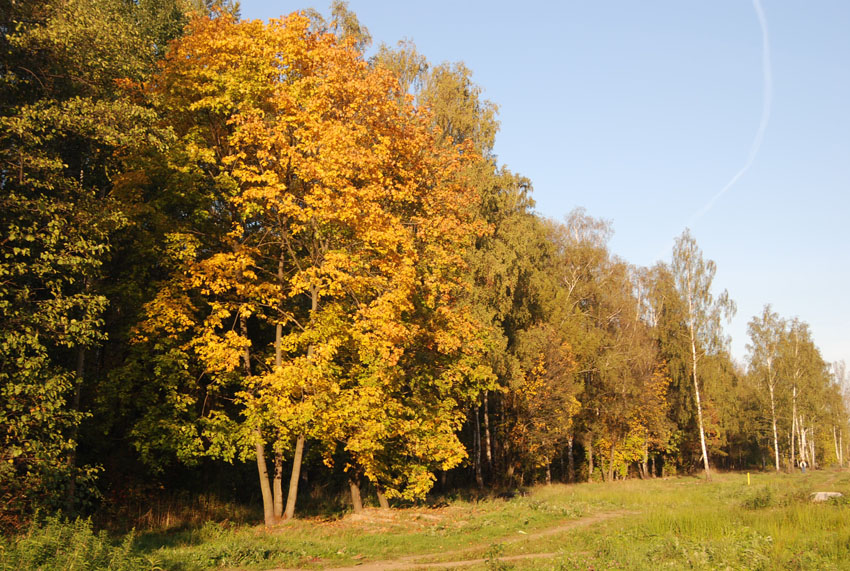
(232, 242)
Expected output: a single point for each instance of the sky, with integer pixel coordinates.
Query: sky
(667, 114)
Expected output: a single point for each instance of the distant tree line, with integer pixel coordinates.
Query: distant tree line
(230, 242)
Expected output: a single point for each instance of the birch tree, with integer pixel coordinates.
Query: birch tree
(766, 334)
(694, 277)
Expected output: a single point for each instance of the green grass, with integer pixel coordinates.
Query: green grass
(681, 523)
(725, 524)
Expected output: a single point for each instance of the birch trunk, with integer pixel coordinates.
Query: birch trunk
(793, 425)
(699, 406)
(775, 434)
(803, 444)
(812, 447)
(835, 442)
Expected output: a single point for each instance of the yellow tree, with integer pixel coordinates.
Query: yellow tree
(340, 266)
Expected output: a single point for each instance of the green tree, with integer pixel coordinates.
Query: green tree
(766, 334)
(67, 125)
(693, 277)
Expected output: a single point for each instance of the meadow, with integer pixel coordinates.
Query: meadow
(675, 523)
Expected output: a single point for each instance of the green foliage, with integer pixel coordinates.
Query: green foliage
(58, 544)
(65, 130)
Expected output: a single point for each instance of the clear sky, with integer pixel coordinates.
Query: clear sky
(642, 112)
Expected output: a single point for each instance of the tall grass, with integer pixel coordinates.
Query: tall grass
(164, 512)
(55, 544)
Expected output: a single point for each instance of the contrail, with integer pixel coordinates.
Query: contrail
(767, 98)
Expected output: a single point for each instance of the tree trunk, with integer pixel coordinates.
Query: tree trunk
(611, 465)
(548, 472)
(291, 498)
(262, 468)
(382, 498)
(75, 432)
(802, 440)
(278, 362)
(589, 459)
(476, 448)
(699, 406)
(295, 476)
(488, 446)
(793, 425)
(277, 486)
(775, 434)
(835, 441)
(265, 488)
(571, 466)
(356, 498)
(812, 446)
(644, 467)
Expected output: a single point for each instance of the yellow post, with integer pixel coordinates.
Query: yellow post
(748, 478)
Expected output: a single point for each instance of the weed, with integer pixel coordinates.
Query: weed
(761, 499)
(492, 555)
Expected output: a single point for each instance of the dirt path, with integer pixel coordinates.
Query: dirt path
(410, 561)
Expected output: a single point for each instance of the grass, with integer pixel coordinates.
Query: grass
(725, 524)
(682, 523)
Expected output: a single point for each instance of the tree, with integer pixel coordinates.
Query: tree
(67, 127)
(693, 277)
(766, 333)
(327, 297)
(808, 375)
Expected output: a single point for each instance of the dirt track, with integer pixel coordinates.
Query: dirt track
(412, 561)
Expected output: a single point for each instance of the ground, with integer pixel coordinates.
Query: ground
(674, 523)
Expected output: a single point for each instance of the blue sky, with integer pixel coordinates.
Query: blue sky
(641, 112)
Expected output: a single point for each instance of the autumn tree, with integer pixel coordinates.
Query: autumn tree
(506, 264)
(342, 224)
